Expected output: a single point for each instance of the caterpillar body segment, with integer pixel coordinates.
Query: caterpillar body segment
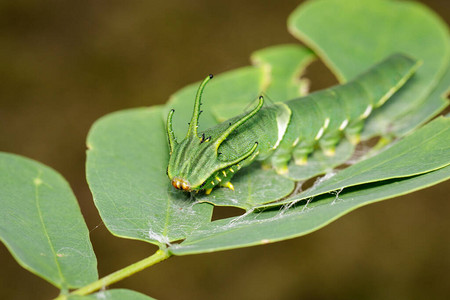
(327, 115)
(277, 133)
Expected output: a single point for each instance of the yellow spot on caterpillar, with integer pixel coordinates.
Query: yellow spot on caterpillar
(301, 161)
(295, 142)
(218, 179)
(354, 139)
(327, 122)
(282, 170)
(212, 183)
(343, 125)
(208, 191)
(330, 151)
(231, 170)
(266, 166)
(228, 185)
(224, 173)
(238, 166)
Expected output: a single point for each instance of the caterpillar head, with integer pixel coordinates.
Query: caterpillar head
(195, 163)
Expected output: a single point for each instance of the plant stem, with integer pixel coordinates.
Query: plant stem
(158, 256)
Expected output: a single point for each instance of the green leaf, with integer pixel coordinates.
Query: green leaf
(283, 66)
(436, 102)
(41, 223)
(279, 68)
(350, 36)
(126, 171)
(114, 294)
(253, 186)
(276, 225)
(425, 150)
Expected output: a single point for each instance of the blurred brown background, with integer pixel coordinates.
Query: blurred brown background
(63, 64)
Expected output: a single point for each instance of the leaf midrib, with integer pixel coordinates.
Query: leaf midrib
(44, 227)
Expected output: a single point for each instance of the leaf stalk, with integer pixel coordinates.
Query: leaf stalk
(157, 257)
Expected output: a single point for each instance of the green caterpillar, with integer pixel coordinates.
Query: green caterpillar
(274, 134)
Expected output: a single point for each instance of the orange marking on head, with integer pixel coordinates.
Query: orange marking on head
(174, 183)
(181, 184)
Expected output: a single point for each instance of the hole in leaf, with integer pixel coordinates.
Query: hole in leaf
(176, 242)
(223, 212)
(310, 182)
